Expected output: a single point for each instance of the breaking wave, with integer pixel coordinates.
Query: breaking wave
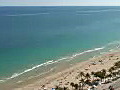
(51, 62)
(115, 44)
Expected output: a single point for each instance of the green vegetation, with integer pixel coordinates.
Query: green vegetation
(95, 78)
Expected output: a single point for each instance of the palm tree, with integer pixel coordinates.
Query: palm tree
(82, 82)
(81, 74)
(104, 71)
(110, 70)
(109, 75)
(114, 74)
(104, 74)
(99, 74)
(117, 64)
(87, 76)
(76, 86)
(72, 84)
(92, 73)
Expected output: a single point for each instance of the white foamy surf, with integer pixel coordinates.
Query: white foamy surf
(28, 14)
(98, 11)
(52, 62)
(96, 49)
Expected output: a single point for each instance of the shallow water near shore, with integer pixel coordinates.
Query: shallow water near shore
(37, 40)
(56, 66)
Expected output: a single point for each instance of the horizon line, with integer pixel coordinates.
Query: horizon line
(57, 5)
(60, 4)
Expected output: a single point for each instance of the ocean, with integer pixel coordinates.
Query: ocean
(34, 38)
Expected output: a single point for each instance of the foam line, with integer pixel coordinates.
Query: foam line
(92, 11)
(18, 74)
(28, 14)
(82, 14)
(2, 81)
(112, 43)
(96, 49)
(51, 62)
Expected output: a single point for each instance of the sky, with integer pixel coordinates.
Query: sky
(59, 2)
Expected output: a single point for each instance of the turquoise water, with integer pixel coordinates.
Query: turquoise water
(30, 36)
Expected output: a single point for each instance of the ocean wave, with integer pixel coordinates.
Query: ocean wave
(92, 11)
(2, 81)
(27, 14)
(92, 50)
(18, 74)
(113, 43)
(51, 62)
(82, 14)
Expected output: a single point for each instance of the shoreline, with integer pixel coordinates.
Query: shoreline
(67, 61)
(64, 76)
(66, 58)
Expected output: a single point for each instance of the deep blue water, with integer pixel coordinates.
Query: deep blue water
(33, 35)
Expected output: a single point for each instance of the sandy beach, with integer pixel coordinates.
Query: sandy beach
(65, 77)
